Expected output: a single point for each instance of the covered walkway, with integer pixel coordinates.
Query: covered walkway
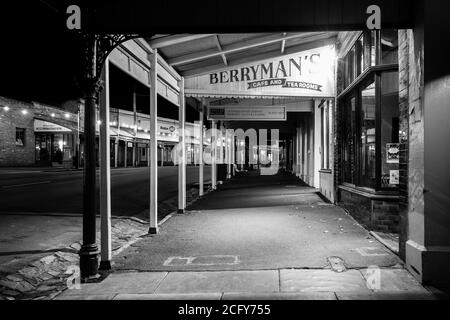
(271, 237)
(258, 222)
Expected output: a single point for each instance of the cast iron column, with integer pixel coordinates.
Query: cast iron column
(91, 86)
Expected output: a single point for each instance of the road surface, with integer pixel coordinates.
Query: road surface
(38, 190)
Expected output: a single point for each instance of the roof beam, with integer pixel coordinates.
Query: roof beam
(283, 43)
(240, 46)
(202, 69)
(219, 46)
(175, 39)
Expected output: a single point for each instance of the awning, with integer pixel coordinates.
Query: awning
(123, 134)
(46, 126)
(193, 94)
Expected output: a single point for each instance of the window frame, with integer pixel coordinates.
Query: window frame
(23, 132)
(325, 134)
(354, 90)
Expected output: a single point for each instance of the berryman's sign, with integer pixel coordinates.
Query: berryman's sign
(284, 84)
(308, 73)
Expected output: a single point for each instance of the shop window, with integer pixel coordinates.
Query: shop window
(325, 135)
(373, 48)
(370, 112)
(389, 129)
(351, 66)
(367, 136)
(368, 115)
(20, 137)
(349, 155)
(359, 58)
(389, 46)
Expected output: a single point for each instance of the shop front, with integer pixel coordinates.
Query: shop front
(55, 145)
(368, 129)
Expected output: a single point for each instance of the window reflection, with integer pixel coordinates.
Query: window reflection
(368, 147)
(389, 129)
(389, 46)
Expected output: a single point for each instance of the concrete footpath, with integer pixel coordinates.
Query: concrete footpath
(257, 237)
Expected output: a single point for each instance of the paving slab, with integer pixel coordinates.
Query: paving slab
(170, 296)
(86, 297)
(136, 282)
(384, 296)
(322, 280)
(280, 296)
(220, 281)
(266, 223)
(394, 280)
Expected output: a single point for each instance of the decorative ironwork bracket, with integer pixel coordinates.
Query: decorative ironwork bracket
(96, 47)
(106, 44)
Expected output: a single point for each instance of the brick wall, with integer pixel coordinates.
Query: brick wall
(403, 58)
(416, 126)
(10, 153)
(385, 216)
(359, 207)
(373, 214)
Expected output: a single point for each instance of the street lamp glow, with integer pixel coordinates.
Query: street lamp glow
(67, 115)
(52, 115)
(24, 112)
(6, 108)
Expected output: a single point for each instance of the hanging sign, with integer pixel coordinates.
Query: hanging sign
(308, 74)
(271, 113)
(45, 126)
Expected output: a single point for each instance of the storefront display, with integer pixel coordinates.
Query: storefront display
(370, 113)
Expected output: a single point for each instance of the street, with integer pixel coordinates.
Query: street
(39, 190)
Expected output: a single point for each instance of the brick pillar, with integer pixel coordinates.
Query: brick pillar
(403, 58)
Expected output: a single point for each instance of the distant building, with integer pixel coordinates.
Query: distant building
(34, 134)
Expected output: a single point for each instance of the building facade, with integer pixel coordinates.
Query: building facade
(368, 128)
(34, 134)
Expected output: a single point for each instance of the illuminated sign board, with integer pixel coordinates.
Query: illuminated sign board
(270, 113)
(45, 126)
(307, 74)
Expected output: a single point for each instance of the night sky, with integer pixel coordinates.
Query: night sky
(41, 62)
